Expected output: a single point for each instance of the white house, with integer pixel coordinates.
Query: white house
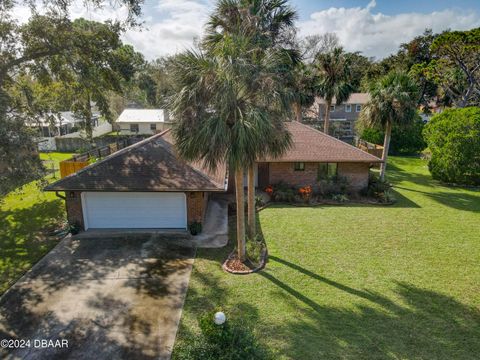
(142, 121)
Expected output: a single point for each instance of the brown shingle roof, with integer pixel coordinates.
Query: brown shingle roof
(149, 165)
(311, 145)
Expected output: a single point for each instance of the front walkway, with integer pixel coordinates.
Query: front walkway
(109, 298)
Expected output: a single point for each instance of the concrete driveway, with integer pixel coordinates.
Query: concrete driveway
(108, 298)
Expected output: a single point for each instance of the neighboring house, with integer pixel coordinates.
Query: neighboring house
(142, 121)
(146, 185)
(63, 123)
(342, 117)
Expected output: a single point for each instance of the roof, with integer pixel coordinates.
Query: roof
(355, 98)
(62, 118)
(311, 145)
(141, 116)
(149, 165)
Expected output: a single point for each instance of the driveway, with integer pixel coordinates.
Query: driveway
(108, 298)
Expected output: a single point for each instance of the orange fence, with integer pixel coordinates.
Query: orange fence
(373, 149)
(68, 167)
(79, 161)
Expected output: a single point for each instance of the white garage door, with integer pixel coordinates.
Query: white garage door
(103, 210)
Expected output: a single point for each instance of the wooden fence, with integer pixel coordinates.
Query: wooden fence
(373, 149)
(79, 161)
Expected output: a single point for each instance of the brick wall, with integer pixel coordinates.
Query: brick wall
(356, 173)
(283, 171)
(73, 203)
(196, 206)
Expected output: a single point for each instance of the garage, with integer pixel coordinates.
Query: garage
(134, 210)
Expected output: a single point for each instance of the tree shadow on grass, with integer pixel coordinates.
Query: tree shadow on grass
(420, 323)
(23, 237)
(456, 200)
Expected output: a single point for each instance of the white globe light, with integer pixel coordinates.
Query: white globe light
(219, 318)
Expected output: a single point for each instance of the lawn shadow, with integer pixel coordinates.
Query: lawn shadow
(423, 324)
(24, 239)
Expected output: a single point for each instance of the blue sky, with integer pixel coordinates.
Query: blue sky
(388, 7)
(374, 27)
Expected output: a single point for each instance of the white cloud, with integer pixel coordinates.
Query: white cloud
(171, 25)
(377, 34)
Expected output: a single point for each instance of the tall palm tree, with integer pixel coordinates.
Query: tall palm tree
(301, 84)
(335, 79)
(392, 102)
(268, 25)
(223, 111)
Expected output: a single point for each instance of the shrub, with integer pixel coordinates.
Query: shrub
(332, 186)
(231, 340)
(306, 193)
(74, 228)
(453, 138)
(195, 228)
(254, 249)
(379, 189)
(404, 141)
(340, 198)
(282, 192)
(259, 201)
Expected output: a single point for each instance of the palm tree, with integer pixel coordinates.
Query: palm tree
(228, 109)
(335, 79)
(268, 24)
(392, 102)
(301, 83)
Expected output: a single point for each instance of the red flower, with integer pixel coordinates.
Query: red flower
(269, 189)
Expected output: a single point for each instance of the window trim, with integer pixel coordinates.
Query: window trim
(358, 107)
(137, 128)
(348, 108)
(153, 126)
(299, 166)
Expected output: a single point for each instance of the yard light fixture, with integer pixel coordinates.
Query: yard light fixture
(219, 318)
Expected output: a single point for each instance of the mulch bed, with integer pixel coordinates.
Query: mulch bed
(233, 264)
(327, 202)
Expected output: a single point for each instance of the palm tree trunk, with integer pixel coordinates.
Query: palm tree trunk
(251, 201)
(386, 145)
(240, 214)
(326, 124)
(297, 109)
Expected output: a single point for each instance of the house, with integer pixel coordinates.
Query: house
(342, 117)
(62, 123)
(142, 121)
(313, 155)
(146, 185)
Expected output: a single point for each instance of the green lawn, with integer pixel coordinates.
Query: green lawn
(359, 282)
(26, 217)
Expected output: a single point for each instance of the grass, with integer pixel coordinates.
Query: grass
(26, 216)
(358, 281)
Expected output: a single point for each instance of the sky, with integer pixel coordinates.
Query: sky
(376, 28)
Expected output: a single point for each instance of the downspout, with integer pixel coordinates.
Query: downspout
(57, 194)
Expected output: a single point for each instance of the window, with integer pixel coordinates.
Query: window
(348, 108)
(134, 128)
(327, 170)
(299, 166)
(332, 108)
(153, 127)
(358, 108)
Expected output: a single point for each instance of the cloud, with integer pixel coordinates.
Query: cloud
(377, 34)
(172, 25)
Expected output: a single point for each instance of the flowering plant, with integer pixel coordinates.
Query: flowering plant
(305, 192)
(269, 190)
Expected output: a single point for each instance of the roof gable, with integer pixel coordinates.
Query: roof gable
(149, 165)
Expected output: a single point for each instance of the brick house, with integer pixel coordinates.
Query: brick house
(313, 155)
(342, 117)
(146, 185)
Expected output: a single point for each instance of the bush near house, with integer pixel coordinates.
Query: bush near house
(405, 141)
(453, 138)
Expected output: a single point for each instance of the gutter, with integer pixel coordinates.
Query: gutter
(57, 194)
